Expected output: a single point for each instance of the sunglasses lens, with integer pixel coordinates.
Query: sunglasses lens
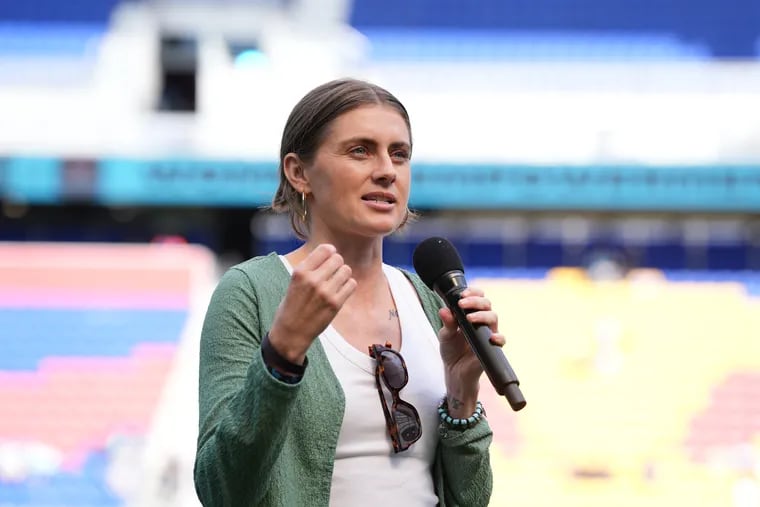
(408, 423)
(393, 370)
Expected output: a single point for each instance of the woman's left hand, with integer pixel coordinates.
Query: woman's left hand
(461, 366)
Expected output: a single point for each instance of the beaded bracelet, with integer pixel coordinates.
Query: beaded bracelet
(452, 422)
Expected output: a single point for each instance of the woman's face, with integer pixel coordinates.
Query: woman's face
(359, 178)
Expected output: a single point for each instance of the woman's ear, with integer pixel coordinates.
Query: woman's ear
(294, 171)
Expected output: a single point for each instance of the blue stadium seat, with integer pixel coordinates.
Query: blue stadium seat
(711, 29)
(32, 334)
(670, 255)
(81, 489)
(57, 12)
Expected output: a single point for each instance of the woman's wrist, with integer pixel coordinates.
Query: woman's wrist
(276, 360)
(460, 423)
(460, 408)
(285, 349)
(461, 399)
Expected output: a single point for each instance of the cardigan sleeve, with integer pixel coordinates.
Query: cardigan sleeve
(243, 409)
(462, 469)
(463, 466)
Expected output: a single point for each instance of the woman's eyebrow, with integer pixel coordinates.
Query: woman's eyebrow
(372, 142)
(359, 140)
(401, 144)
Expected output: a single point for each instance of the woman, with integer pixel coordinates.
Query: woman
(305, 398)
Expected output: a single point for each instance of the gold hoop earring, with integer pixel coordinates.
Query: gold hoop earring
(304, 211)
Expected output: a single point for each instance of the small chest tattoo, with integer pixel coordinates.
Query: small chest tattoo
(392, 313)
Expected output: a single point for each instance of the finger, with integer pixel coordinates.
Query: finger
(340, 277)
(475, 303)
(486, 318)
(449, 321)
(345, 291)
(328, 268)
(317, 256)
(339, 285)
(472, 291)
(497, 339)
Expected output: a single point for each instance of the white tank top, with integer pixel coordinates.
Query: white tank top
(367, 472)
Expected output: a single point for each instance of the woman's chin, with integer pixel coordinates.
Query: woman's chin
(381, 228)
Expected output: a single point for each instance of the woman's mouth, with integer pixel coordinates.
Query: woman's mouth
(379, 197)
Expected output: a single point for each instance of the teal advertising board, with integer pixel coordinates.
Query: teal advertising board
(190, 182)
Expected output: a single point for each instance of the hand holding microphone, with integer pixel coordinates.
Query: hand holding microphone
(439, 266)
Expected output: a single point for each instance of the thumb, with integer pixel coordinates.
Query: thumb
(449, 321)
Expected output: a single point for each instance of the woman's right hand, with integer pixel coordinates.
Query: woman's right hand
(319, 286)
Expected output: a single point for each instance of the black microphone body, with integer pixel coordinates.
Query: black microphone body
(449, 285)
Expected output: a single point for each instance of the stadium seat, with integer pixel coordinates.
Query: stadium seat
(85, 354)
(627, 383)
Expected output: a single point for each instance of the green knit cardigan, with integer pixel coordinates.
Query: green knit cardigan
(263, 442)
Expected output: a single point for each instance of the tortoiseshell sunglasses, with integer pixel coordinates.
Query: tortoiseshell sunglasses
(402, 420)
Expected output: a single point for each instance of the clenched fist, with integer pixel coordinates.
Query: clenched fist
(320, 285)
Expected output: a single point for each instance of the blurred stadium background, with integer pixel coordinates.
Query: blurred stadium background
(596, 162)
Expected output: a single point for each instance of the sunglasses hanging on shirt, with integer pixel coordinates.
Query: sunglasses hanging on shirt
(402, 419)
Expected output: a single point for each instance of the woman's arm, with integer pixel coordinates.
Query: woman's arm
(465, 460)
(463, 469)
(244, 410)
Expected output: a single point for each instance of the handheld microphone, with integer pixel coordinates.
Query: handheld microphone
(438, 264)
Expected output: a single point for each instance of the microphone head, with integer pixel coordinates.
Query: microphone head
(435, 257)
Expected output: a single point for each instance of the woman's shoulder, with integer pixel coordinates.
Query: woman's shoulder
(431, 302)
(255, 272)
(261, 265)
(416, 281)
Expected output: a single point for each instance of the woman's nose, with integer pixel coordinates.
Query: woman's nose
(385, 169)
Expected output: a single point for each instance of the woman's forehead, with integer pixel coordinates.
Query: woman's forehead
(370, 121)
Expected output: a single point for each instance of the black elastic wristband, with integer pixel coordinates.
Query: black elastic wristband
(273, 359)
(282, 377)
